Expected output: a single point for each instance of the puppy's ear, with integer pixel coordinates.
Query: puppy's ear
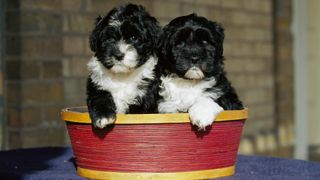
(154, 31)
(98, 19)
(218, 35)
(160, 43)
(164, 42)
(94, 36)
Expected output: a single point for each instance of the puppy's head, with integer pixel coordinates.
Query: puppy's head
(124, 38)
(191, 47)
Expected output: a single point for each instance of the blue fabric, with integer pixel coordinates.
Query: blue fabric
(38, 163)
(58, 163)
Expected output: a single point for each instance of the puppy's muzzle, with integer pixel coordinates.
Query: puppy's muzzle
(194, 73)
(195, 59)
(117, 55)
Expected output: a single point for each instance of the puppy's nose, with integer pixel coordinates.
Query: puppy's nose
(194, 59)
(118, 56)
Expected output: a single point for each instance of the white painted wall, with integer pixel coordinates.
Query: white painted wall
(300, 46)
(306, 31)
(313, 54)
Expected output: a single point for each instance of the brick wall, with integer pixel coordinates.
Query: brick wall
(284, 75)
(279, 141)
(34, 80)
(48, 51)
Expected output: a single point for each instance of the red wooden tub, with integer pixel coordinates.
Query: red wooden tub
(154, 146)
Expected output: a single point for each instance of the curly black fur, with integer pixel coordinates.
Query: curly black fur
(132, 26)
(137, 28)
(193, 41)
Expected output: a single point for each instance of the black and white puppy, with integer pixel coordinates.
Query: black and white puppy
(121, 72)
(193, 79)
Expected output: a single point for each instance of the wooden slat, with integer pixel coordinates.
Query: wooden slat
(79, 115)
(204, 174)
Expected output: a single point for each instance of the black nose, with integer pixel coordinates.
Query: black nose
(119, 56)
(194, 59)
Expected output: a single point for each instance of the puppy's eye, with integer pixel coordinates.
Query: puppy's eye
(133, 38)
(104, 44)
(108, 41)
(181, 43)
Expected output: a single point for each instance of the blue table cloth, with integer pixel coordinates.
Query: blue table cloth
(58, 163)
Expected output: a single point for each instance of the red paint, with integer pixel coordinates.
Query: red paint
(155, 147)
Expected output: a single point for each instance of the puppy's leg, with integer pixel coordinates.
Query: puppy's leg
(203, 112)
(167, 107)
(148, 102)
(230, 101)
(101, 107)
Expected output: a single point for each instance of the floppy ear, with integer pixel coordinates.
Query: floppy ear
(94, 36)
(165, 41)
(160, 43)
(218, 35)
(165, 44)
(154, 31)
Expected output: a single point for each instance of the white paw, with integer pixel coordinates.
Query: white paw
(203, 116)
(103, 122)
(167, 107)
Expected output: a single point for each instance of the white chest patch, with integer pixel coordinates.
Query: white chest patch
(180, 94)
(123, 87)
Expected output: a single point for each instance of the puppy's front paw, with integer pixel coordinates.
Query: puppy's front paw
(167, 107)
(101, 118)
(203, 116)
(103, 122)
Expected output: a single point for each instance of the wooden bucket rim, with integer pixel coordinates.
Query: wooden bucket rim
(71, 115)
(198, 174)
